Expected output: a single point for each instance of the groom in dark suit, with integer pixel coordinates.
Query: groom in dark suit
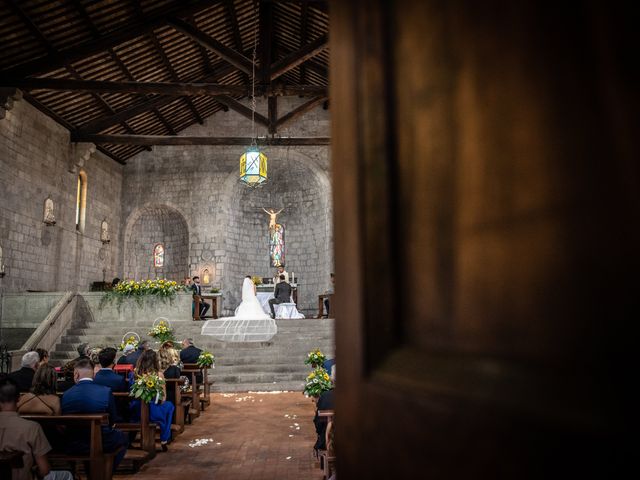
(197, 292)
(282, 293)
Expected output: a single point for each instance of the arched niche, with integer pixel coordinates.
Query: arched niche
(147, 228)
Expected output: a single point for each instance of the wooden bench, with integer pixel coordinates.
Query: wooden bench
(182, 404)
(9, 461)
(100, 462)
(145, 428)
(327, 457)
(191, 370)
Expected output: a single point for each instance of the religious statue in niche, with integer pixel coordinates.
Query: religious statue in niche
(158, 255)
(276, 238)
(206, 277)
(104, 232)
(1, 263)
(49, 217)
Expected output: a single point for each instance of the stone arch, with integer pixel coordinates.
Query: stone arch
(300, 185)
(148, 226)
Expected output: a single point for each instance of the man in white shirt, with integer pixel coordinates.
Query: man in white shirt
(281, 271)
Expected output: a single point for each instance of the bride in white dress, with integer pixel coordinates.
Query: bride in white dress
(250, 307)
(249, 324)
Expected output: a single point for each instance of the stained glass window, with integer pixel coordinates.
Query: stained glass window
(276, 245)
(158, 255)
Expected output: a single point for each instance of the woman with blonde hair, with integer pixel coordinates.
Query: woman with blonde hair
(170, 366)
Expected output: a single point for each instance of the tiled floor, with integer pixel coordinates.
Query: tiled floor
(254, 436)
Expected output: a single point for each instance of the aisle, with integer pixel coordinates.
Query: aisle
(253, 437)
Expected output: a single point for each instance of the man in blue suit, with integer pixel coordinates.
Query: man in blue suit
(106, 376)
(88, 397)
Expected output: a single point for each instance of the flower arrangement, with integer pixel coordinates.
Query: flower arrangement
(215, 290)
(206, 359)
(315, 358)
(318, 382)
(162, 331)
(148, 388)
(162, 288)
(129, 338)
(256, 280)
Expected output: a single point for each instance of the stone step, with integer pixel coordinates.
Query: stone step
(262, 367)
(258, 377)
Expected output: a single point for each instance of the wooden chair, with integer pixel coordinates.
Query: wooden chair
(100, 462)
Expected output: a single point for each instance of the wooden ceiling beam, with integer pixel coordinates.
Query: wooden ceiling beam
(298, 57)
(236, 59)
(142, 88)
(100, 124)
(148, 140)
(176, 89)
(242, 109)
(300, 110)
(59, 59)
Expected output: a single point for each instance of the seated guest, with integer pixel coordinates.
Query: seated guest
(43, 355)
(24, 376)
(325, 402)
(115, 282)
(190, 354)
(94, 356)
(42, 400)
(132, 358)
(128, 350)
(83, 352)
(169, 360)
(328, 364)
(106, 376)
(88, 397)
(25, 436)
(159, 413)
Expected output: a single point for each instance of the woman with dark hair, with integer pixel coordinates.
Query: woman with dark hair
(42, 400)
(43, 355)
(162, 412)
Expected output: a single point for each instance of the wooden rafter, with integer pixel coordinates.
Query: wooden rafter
(242, 109)
(236, 59)
(265, 24)
(300, 56)
(304, 36)
(59, 59)
(174, 75)
(147, 140)
(300, 110)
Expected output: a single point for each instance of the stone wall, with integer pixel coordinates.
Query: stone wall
(227, 227)
(36, 162)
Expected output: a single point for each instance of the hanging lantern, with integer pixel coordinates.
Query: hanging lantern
(253, 167)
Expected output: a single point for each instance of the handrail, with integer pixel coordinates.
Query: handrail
(48, 332)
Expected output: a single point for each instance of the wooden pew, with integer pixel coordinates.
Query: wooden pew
(328, 457)
(182, 403)
(8, 461)
(100, 462)
(198, 403)
(145, 428)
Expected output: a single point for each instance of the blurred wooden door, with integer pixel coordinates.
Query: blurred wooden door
(486, 213)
